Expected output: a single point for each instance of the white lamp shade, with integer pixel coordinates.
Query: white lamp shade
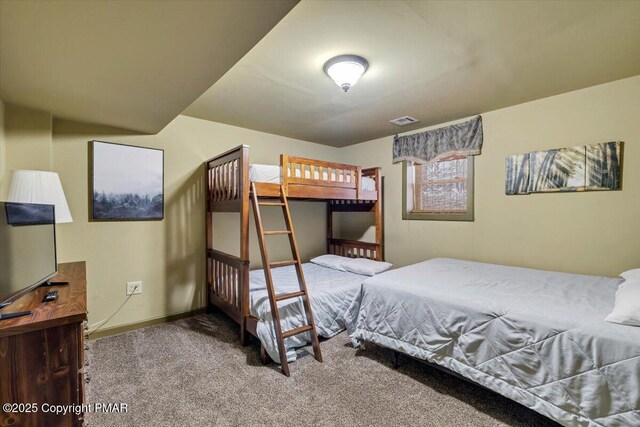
(40, 187)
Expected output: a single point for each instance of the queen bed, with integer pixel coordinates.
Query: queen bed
(534, 336)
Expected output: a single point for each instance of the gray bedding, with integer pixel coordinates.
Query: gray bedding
(536, 337)
(330, 292)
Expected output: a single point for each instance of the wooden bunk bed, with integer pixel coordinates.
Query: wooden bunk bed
(228, 190)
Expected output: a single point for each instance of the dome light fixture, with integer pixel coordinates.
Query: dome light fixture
(346, 70)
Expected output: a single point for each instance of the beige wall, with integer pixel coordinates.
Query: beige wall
(2, 144)
(596, 233)
(168, 256)
(592, 233)
(27, 142)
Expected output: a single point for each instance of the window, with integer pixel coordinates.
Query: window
(439, 190)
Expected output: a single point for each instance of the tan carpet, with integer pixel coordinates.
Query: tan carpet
(193, 372)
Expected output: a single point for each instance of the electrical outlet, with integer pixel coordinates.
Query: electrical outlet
(134, 288)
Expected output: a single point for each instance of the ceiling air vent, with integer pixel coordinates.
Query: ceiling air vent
(404, 120)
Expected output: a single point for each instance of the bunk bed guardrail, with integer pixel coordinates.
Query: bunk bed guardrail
(303, 171)
(225, 273)
(227, 176)
(355, 249)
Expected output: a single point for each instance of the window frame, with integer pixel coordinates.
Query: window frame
(425, 216)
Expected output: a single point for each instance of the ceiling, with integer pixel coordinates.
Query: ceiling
(434, 60)
(132, 64)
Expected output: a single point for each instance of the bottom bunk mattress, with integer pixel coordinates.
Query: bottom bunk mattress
(330, 292)
(536, 337)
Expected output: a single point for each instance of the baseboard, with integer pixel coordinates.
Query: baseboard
(138, 325)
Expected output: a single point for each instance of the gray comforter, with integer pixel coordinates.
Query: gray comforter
(536, 337)
(330, 292)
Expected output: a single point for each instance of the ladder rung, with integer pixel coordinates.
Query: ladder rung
(273, 233)
(297, 331)
(283, 263)
(271, 203)
(290, 295)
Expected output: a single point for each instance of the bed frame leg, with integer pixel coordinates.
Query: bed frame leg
(210, 309)
(265, 359)
(244, 336)
(396, 359)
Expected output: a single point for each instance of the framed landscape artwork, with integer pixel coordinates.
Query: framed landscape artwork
(126, 182)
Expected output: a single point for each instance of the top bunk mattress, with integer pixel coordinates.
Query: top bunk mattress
(537, 337)
(272, 174)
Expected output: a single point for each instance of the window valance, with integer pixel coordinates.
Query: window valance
(460, 139)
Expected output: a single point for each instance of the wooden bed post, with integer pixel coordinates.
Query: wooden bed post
(358, 182)
(379, 215)
(329, 225)
(209, 231)
(244, 243)
(284, 170)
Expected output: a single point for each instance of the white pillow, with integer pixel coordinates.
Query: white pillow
(627, 307)
(336, 262)
(365, 266)
(631, 274)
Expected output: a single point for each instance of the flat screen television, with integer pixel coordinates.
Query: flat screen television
(27, 248)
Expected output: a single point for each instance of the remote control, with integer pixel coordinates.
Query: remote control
(51, 296)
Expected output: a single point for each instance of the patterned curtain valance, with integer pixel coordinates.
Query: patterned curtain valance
(461, 139)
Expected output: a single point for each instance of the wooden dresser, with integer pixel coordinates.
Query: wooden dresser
(42, 355)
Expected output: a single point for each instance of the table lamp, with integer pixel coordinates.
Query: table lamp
(28, 186)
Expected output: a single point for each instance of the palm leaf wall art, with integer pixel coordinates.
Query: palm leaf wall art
(604, 166)
(586, 168)
(557, 170)
(517, 169)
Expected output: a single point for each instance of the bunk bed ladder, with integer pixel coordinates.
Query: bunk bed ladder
(273, 297)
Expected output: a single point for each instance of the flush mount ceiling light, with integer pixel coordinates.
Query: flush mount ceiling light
(346, 70)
